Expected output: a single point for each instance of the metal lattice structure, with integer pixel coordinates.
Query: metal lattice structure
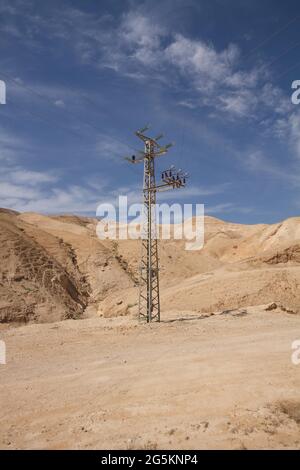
(149, 300)
(149, 304)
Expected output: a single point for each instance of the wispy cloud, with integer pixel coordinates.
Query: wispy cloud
(26, 190)
(10, 145)
(109, 148)
(227, 208)
(138, 48)
(258, 162)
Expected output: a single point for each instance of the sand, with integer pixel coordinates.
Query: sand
(226, 381)
(82, 372)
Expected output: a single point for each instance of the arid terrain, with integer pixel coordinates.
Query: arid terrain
(82, 372)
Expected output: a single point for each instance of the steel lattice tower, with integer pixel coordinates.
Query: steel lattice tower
(149, 301)
(149, 305)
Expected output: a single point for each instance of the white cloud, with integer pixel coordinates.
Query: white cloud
(274, 98)
(31, 178)
(287, 128)
(19, 183)
(138, 30)
(239, 103)
(187, 104)
(59, 103)
(25, 190)
(141, 49)
(11, 190)
(205, 66)
(242, 79)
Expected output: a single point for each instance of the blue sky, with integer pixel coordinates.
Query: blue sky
(215, 77)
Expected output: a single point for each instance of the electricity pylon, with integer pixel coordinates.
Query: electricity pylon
(149, 301)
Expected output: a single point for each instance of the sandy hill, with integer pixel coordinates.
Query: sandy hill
(55, 267)
(239, 266)
(39, 275)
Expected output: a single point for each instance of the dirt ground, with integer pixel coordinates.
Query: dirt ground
(190, 382)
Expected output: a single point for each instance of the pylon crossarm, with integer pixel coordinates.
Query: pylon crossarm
(156, 188)
(138, 160)
(146, 155)
(167, 187)
(146, 138)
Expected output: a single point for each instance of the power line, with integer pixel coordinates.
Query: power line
(48, 120)
(40, 95)
(265, 41)
(288, 70)
(280, 56)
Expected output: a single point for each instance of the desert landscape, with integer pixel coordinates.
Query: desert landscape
(130, 115)
(83, 373)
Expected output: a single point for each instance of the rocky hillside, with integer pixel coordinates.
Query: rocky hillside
(53, 268)
(39, 275)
